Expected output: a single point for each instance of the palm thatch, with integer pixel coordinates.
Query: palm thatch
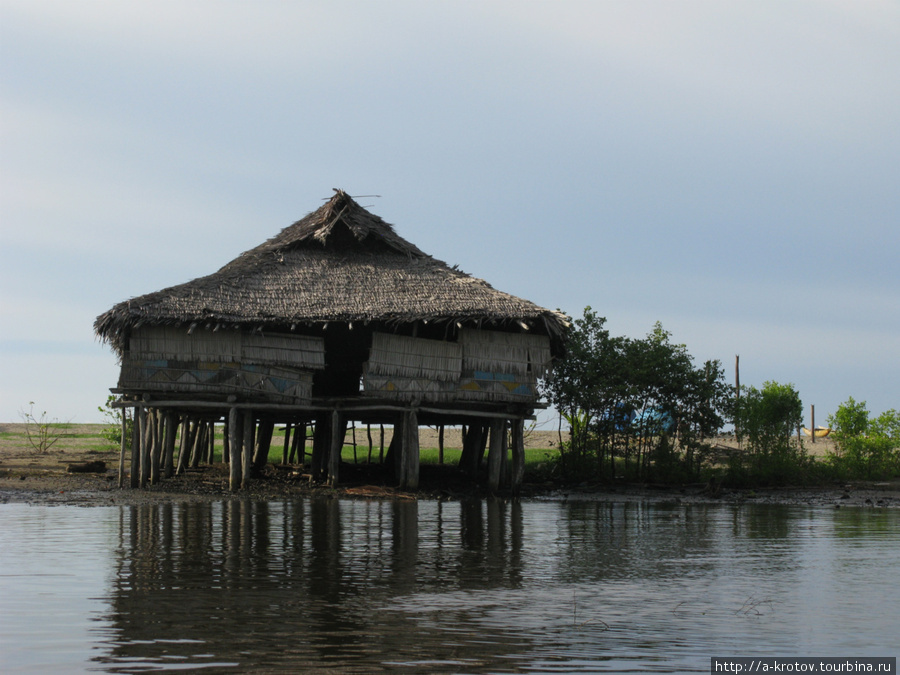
(340, 263)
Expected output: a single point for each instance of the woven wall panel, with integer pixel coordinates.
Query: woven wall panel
(414, 358)
(176, 377)
(499, 352)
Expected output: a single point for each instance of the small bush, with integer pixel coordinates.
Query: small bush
(41, 432)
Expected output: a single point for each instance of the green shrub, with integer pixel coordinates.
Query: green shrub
(866, 448)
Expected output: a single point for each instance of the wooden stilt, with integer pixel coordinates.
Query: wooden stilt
(369, 438)
(394, 451)
(185, 449)
(235, 440)
(146, 441)
(156, 447)
(518, 455)
(136, 436)
(321, 447)
(198, 443)
(338, 432)
(287, 445)
(226, 439)
(211, 439)
(497, 448)
(123, 443)
(410, 451)
(381, 445)
(301, 443)
(247, 447)
(263, 444)
(168, 459)
(441, 445)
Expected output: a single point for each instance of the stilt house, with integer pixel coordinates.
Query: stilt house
(335, 319)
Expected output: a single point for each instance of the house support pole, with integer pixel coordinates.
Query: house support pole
(168, 465)
(235, 439)
(146, 442)
(157, 447)
(518, 454)
(287, 444)
(136, 435)
(321, 447)
(338, 431)
(496, 453)
(122, 445)
(409, 451)
(247, 448)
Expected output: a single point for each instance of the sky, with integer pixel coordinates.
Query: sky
(729, 169)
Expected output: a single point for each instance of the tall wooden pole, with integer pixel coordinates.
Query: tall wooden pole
(495, 453)
(518, 454)
(812, 422)
(122, 447)
(247, 448)
(737, 395)
(338, 432)
(235, 439)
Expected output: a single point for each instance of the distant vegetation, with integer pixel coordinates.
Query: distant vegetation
(641, 410)
(867, 447)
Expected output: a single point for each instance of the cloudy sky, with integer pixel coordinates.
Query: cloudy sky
(731, 169)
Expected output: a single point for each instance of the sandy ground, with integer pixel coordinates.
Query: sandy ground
(26, 476)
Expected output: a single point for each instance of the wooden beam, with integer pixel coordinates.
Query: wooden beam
(495, 453)
(410, 451)
(338, 431)
(235, 441)
(247, 448)
(518, 455)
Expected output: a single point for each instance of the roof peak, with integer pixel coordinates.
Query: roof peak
(322, 225)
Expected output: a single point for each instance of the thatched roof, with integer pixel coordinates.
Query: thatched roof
(340, 263)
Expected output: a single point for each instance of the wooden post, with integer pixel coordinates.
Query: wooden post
(157, 448)
(441, 445)
(146, 442)
(263, 443)
(134, 476)
(495, 452)
(199, 440)
(301, 443)
(518, 454)
(185, 446)
(737, 395)
(247, 448)
(235, 439)
(381, 444)
(226, 439)
(395, 451)
(338, 431)
(369, 437)
(171, 420)
(212, 441)
(410, 451)
(321, 447)
(122, 445)
(287, 444)
(812, 422)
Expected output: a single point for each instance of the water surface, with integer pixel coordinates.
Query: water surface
(407, 586)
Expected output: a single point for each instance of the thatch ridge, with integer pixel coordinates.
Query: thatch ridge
(339, 263)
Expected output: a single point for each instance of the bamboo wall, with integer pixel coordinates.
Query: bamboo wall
(268, 367)
(482, 366)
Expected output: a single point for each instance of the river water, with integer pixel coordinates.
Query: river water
(345, 586)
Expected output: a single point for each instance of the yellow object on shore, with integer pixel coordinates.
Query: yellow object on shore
(821, 432)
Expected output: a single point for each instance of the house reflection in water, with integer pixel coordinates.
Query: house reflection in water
(322, 582)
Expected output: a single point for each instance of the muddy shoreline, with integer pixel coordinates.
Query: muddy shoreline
(211, 484)
(29, 477)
